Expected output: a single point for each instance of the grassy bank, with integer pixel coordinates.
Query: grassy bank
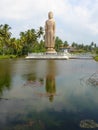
(7, 56)
(96, 58)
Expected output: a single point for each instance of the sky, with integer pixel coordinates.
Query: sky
(76, 20)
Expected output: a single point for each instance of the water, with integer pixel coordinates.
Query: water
(47, 95)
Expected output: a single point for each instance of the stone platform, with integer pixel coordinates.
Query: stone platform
(45, 56)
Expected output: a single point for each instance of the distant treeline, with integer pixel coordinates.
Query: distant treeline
(33, 41)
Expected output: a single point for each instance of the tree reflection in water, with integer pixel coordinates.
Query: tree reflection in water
(5, 76)
(33, 81)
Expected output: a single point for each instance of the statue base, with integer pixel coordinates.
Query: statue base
(51, 51)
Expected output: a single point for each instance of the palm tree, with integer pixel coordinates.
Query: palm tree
(28, 40)
(5, 35)
(40, 32)
(6, 32)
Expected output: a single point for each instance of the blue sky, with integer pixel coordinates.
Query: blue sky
(76, 20)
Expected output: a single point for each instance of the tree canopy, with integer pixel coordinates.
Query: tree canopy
(33, 41)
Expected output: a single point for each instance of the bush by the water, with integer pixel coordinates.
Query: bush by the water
(96, 58)
(7, 56)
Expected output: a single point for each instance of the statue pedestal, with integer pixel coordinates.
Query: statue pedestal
(51, 51)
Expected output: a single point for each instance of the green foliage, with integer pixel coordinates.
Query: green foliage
(58, 44)
(84, 48)
(28, 42)
(5, 77)
(96, 58)
(66, 44)
(97, 50)
(7, 56)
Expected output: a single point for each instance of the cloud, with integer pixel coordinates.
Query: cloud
(75, 20)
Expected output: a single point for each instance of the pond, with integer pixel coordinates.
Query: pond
(47, 94)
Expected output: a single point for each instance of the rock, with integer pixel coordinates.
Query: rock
(88, 124)
(93, 80)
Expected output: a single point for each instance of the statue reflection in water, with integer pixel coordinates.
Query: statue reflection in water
(50, 80)
(50, 86)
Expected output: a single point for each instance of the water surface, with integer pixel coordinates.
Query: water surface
(47, 95)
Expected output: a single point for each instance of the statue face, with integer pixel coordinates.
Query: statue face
(50, 15)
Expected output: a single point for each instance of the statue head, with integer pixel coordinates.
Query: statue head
(50, 15)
